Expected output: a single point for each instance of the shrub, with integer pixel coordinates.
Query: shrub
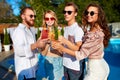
(6, 37)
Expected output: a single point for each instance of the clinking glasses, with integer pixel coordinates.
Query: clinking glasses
(91, 13)
(47, 19)
(68, 12)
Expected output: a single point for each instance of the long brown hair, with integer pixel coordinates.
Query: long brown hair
(101, 21)
(72, 4)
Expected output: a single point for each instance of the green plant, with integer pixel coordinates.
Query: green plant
(56, 33)
(38, 33)
(62, 31)
(6, 37)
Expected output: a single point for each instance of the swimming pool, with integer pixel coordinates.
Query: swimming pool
(8, 63)
(112, 56)
(114, 45)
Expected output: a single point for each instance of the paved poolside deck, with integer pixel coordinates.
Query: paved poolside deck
(7, 69)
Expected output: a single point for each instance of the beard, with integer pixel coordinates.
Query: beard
(30, 22)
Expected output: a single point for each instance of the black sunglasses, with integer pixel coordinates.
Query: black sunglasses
(91, 13)
(31, 16)
(68, 12)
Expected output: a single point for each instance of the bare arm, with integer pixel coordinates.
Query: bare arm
(90, 47)
(61, 48)
(45, 50)
(40, 43)
(72, 46)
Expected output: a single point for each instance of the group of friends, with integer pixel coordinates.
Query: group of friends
(63, 59)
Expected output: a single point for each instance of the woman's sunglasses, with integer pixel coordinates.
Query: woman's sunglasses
(91, 13)
(68, 12)
(47, 19)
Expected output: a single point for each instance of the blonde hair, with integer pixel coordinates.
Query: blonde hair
(53, 14)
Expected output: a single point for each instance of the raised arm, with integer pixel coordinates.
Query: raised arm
(70, 45)
(90, 47)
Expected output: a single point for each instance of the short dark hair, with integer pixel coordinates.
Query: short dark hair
(72, 4)
(24, 9)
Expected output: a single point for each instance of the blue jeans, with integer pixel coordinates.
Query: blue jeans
(70, 74)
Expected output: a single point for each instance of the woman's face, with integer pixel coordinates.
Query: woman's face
(49, 19)
(92, 14)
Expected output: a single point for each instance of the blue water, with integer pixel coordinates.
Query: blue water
(112, 56)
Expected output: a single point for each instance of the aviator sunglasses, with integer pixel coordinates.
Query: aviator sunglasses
(68, 12)
(47, 19)
(91, 13)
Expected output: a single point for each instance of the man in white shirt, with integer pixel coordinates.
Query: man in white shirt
(25, 46)
(73, 68)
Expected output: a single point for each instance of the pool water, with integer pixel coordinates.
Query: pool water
(112, 56)
(8, 63)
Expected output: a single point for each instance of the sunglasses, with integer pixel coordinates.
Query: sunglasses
(91, 13)
(68, 12)
(47, 19)
(31, 16)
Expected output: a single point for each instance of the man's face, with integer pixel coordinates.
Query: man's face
(29, 17)
(69, 13)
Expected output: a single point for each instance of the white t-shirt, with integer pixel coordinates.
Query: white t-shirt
(75, 33)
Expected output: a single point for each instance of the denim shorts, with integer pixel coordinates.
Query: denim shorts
(53, 68)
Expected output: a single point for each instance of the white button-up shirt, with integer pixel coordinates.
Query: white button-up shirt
(25, 59)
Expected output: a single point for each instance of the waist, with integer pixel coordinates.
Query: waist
(50, 54)
(71, 63)
(20, 56)
(95, 56)
(97, 63)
